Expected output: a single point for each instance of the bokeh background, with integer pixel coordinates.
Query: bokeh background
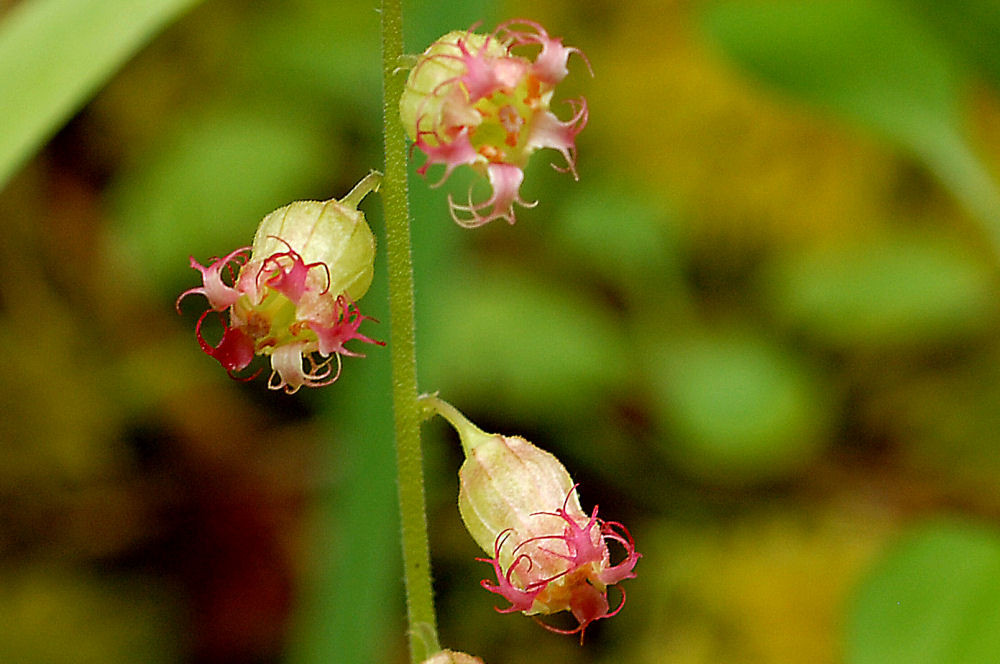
(761, 330)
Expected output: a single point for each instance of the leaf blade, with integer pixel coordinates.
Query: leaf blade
(55, 54)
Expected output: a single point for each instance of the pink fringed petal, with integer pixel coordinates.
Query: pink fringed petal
(505, 179)
(583, 545)
(548, 131)
(485, 74)
(219, 294)
(456, 152)
(586, 547)
(288, 279)
(625, 569)
(588, 604)
(521, 599)
(288, 374)
(342, 327)
(234, 351)
(550, 65)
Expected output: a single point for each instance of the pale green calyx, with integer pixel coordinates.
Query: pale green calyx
(505, 482)
(332, 233)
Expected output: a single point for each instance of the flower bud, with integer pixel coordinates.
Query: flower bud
(521, 506)
(470, 100)
(452, 657)
(292, 294)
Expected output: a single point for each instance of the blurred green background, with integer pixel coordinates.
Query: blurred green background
(761, 331)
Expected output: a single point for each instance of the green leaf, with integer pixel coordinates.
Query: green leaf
(55, 54)
(935, 599)
(736, 407)
(499, 336)
(894, 291)
(207, 183)
(971, 28)
(863, 58)
(632, 242)
(874, 63)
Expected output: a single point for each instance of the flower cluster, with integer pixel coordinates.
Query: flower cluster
(481, 100)
(470, 100)
(292, 294)
(521, 506)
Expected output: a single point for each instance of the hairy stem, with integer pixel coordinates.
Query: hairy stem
(407, 411)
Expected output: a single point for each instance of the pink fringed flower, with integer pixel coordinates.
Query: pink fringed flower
(292, 295)
(471, 100)
(521, 506)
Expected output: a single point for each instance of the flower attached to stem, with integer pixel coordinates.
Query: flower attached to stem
(470, 100)
(521, 506)
(293, 294)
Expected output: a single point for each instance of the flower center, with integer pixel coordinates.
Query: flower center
(273, 322)
(501, 135)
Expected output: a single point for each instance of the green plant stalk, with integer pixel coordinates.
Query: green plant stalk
(402, 348)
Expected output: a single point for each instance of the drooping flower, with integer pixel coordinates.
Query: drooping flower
(521, 506)
(293, 294)
(471, 100)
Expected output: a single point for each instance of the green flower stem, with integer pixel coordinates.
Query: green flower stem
(402, 348)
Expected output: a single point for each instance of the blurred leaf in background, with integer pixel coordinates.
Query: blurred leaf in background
(56, 614)
(872, 61)
(55, 54)
(735, 407)
(935, 597)
(896, 291)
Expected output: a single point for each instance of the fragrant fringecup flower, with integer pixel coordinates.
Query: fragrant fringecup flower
(471, 100)
(521, 506)
(293, 294)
